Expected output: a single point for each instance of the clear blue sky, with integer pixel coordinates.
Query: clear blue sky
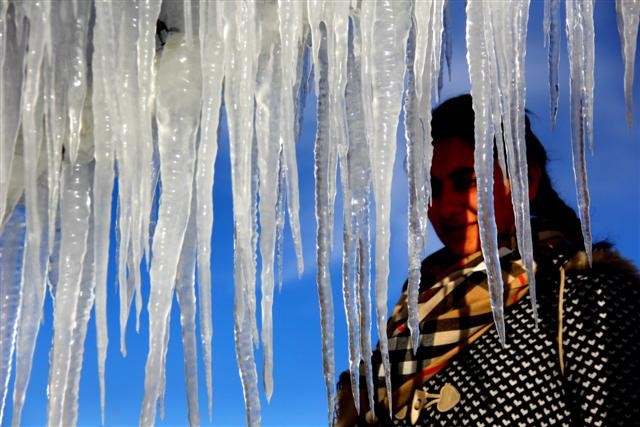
(299, 396)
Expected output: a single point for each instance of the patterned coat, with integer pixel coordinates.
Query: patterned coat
(523, 384)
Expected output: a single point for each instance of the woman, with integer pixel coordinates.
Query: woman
(581, 366)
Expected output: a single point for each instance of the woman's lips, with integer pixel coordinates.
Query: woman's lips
(457, 227)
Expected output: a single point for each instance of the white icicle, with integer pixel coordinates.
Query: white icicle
(11, 258)
(144, 186)
(11, 73)
(185, 290)
(360, 187)
(34, 265)
(581, 50)
(267, 127)
(628, 14)
(290, 17)
(552, 42)
(124, 80)
(325, 155)
(75, 209)
(478, 53)
(424, 72)
(76, 68)
(507, 30)
(211, 50)
(103, 108)
(239, 100)
(390, 25)
(178, 116)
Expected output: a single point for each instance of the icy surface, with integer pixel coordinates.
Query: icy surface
(94, 91)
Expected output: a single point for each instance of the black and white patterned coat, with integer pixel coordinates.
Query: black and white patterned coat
(523, 384)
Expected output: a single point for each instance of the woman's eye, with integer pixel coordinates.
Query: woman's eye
(465, 183)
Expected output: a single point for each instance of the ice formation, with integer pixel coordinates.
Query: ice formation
(97, 91)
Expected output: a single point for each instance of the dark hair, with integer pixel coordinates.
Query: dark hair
(454, 118)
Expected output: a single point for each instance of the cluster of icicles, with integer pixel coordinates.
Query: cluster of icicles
(88, 96)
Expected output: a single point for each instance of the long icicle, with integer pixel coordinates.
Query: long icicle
(33, 269)
(178, 119)
(12, 52)
(11, 258)
(267, 128)
(386, 78)
(478, 53)
(185, 291)
(211, 49)
(239, 99)
(581, 50)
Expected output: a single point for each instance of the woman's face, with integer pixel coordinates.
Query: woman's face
(454, 209)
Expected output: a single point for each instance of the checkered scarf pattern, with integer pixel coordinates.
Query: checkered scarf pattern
(453, 313)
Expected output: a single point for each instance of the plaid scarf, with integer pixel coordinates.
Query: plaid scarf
(453, 313)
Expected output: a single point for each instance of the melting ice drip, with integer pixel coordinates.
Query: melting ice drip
(80, 107)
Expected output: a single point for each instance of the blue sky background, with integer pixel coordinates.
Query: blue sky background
(299, 396)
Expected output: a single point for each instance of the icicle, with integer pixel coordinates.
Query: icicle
(212, 73)
(12, 53)
(360, 186)
(11, 258)
(148, 12)
(239, 98)
(178, 113)
(552, 41)
(77, 87)
(34, 265)
(581, 50)
(290, 16)
(478, 53)
(391, 21)
(325, 155)
(426, 44)
(75, 209)
(508, 29)
(628, 14)
(188, 22)
(280, 214)
(185, 290)
(103, 109)
(267, 126)
(126, 123)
